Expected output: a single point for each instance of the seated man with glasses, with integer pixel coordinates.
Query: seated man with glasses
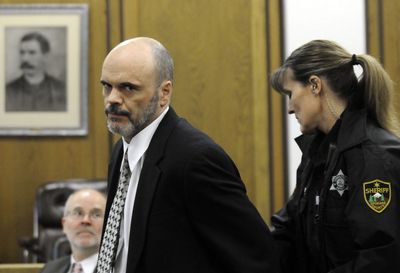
(82, 223)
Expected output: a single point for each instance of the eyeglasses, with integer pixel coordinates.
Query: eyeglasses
(79, 214)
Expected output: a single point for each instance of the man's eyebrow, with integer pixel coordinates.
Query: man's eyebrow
(130, 84)
(123, 84)
(96, 210)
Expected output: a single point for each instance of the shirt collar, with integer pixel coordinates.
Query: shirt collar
(88, 264)
(352, 131)
(141, 141)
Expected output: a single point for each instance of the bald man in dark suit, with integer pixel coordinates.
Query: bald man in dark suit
(186, 208)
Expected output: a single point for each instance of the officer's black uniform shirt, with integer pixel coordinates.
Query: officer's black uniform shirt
(315, 171)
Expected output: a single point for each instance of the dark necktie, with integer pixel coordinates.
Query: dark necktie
(109, 244)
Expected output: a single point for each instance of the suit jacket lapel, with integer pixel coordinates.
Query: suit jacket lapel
(148, 180)
(113, 175)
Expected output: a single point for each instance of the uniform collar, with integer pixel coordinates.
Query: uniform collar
(352, 131)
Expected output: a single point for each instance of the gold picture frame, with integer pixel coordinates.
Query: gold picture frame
(45, 89)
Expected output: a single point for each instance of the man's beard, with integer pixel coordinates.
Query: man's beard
(135, 126)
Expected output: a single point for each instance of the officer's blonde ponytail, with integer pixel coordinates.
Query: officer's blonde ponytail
(377, 88)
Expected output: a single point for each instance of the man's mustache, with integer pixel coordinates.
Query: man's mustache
(115, 110)
(26, 65)
(87, 229)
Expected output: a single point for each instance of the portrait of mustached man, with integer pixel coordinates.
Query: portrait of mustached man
(35, 89)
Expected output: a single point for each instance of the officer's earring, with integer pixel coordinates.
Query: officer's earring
(314, 90)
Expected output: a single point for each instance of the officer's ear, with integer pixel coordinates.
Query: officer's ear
(315, 84)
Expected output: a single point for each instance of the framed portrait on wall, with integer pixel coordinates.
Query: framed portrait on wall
(43, 75)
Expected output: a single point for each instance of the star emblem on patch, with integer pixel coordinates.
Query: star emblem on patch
(339, 183)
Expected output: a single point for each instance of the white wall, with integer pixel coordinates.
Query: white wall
(340, 20)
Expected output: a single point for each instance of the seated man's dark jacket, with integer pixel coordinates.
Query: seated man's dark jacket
(60, 265)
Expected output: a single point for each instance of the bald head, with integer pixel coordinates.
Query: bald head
(138, 40)
(156, 54)
(94, 196)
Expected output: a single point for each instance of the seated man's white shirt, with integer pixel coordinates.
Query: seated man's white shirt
(88, 264)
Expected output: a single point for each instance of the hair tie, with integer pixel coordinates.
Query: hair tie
(354, 60)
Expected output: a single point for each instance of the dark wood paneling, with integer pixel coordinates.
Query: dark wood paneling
(391, 41)
(27, 162)
(384, 37)
(276, 106)
(219, 53)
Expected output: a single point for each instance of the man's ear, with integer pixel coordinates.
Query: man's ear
(165, 93)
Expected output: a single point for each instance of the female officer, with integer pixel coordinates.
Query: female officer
(344, 215)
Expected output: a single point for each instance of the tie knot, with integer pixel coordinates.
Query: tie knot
(77, 268)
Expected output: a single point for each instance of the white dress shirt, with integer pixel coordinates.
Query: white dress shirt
(88, 264)
(136, 153)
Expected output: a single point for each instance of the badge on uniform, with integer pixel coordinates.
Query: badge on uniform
(339, 183)
(377, 194)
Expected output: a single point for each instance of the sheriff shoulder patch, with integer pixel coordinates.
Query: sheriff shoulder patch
(377, 194)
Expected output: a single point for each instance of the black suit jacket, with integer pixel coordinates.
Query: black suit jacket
(60, 265)
(191, 212)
